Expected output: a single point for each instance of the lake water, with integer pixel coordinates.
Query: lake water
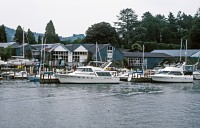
(128, 105)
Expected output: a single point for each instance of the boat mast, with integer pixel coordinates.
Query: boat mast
(186, 52)
(143, 58)
(23, 44)
(181, 48)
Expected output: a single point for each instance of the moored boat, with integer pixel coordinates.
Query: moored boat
(177, 74)
(90, 75)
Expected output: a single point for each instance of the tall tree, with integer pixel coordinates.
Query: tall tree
(31, 37)
(127, 22)
(50, 34)
(39, 40)
(3, 36)
(173, 27)
(195, 34)
(102, 33)
(19, 35)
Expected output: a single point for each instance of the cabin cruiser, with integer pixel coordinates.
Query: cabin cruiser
(90, 75)
(175, 74)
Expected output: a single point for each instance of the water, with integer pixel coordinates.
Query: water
(127, 105)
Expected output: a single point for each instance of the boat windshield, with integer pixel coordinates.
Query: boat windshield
(175, 73)
(84, 69)
(103, 73)
(163, 72)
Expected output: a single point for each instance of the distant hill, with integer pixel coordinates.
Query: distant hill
(11, 33)
(74, 37)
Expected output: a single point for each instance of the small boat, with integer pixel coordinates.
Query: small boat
(21, 75)
(176, 74)
(90, 75)
(196, 74)
(43, 75)
(20, 62)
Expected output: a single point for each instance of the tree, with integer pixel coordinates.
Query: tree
(140, 34)
(31, 37)
(19, 35)
(6, 53)
(39, 41)
(102, 33)
(3, 36)
(194, 34)
(50, 34)
(127, 22)
(136, 47)
(173, 27)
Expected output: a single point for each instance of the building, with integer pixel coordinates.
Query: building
(139, 60)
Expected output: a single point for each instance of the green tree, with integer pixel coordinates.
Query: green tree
(102, 33)
(195, 34)
(140, 34)
(136, 47)
(3, 36)
(18, 37)
(50, 34)
(31, 37)
(173, 27)
(127, 22)
(6, 53)
(39, 40)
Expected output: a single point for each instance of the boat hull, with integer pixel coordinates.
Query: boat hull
(64, 78)
(172, 78)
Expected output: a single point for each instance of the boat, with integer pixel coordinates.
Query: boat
(90, 75)
(181, 73)
(20, 61)
(44, 76)
(21, 75)
(2, 62)
(196, 74)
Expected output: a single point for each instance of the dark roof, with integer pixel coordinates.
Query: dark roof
(72, 47)
(176, 53)
(146, 54)
(92, 47)
(12, 44)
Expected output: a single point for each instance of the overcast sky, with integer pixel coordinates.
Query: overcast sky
(75, 16)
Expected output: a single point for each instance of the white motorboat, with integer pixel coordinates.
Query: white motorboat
(20, 62)
(176, 74)
(90, 75)
(2, 62)
(196, 75)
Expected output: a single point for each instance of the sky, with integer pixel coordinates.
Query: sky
(76, 16)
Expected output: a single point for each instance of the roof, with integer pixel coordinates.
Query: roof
(146, 54)
(92, 47)
(48, 47)
(72, 47)
(176, 53)
(12, 44)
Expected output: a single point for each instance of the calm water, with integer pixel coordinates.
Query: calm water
(127, 105)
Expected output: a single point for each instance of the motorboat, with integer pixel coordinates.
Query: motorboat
(90, 75)
(181, 73)
(2, 62)
(21, 75)
(196, 74)
(20, 62)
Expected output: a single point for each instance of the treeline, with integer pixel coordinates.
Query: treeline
(155, 32)
(49, 36)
